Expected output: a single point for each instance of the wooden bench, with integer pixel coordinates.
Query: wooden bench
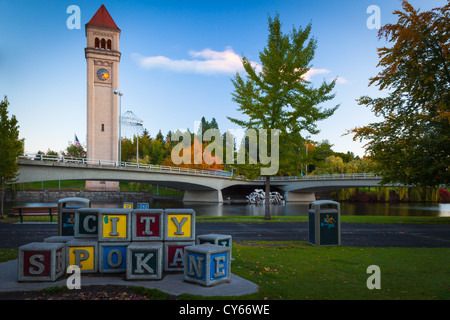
(35, 212)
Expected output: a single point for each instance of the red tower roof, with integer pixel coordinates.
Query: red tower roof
(102, 18)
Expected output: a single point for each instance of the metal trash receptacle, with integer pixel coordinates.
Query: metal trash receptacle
(66, 214)
(324, 223)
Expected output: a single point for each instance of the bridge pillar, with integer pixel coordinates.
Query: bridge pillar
(300, 196)
(203, 196)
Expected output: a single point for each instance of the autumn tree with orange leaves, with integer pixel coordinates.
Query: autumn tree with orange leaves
(411, 143)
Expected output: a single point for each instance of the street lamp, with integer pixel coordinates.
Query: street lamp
(120, 93)
(306, 145)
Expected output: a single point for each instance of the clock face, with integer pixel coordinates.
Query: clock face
(103, 74)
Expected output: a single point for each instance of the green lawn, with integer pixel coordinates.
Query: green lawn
(298, 271)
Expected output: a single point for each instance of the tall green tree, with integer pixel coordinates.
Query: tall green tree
(277, 95)
(10, 148)
(411, 143)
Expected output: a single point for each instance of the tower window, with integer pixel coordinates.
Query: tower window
(103, 127)
(97, 43)
(108, 45)
(103, 44)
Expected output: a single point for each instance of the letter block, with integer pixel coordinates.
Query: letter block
(59, 239)
(86, 223)
(179, 224)
(83, 253)
(207, 264)
(144, 260)
(217, 239)
(114, 225)
(41, 261)
(174, 255)
(112, 257)
(147, 225)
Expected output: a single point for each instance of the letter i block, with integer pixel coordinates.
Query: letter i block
(86, 223)
(112, 257)
(207, 264)
(83, 253)
(144, 260)
(174, 255)
(147, 225)
(179, 225)
(41, 261)
(114, 225)
(217, 239)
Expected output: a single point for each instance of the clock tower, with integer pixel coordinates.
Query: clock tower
(102, 59)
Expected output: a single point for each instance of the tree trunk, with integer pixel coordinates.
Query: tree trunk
(2, 216)
(267, 201)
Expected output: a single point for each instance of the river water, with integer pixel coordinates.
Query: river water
(291, 209)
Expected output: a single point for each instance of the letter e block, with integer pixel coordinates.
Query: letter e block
(112, 257)
(174, 255)
(114, 225)
(147, 225)
(86, 223)
(207, 264)
(179, 225)
(144, 260)
(41, 261)
(83, 253)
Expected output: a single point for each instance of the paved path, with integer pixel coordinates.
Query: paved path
(13, 235)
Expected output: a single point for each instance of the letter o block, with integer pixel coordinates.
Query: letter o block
(83, 253)
(174, 255)
(179, 224)
(207, 264)
(86, 223)
(114, 225)
(147, 225)
(112, 257)
(144, 260)
(41, 261)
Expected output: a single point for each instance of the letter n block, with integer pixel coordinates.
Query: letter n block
(174, 254)
(147, 225)
(83, 253)
(207, 264)
(179, 225)
(86, 223)
(112, 257)
(144, 260)
(114, 225)
(41, 261)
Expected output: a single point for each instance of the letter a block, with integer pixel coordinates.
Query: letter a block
(179, 225)
(41, 261)
(113, 257)
(83, 253)
(114, 225)
(174, 255)
(144, 260)
(207, 264)
(86, 223)
(147, 225)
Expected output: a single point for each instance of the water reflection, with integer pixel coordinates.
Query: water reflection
(289, 209)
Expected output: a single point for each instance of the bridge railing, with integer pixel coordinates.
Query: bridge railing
(220, 173)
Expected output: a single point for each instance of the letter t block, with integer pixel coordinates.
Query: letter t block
(147, 225)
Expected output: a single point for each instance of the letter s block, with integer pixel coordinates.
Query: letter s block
(83, 253)
(207, 264)
(41, 261)
(179, 225)
(114, 225)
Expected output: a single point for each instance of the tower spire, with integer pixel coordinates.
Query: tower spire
(103, 19)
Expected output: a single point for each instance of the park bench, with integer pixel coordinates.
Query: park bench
(34, 212)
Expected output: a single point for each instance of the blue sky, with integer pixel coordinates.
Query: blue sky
(178, 58)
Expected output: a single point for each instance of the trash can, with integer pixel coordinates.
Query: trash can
(324, 223)
(66, 214)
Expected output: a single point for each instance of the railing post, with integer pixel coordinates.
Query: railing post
(50, 213)
(20, 215)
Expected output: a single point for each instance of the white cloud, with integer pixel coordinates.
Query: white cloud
(206, 61)
(312, 72)
(341, 80)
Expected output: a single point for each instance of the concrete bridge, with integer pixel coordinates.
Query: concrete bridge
(198, 185)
